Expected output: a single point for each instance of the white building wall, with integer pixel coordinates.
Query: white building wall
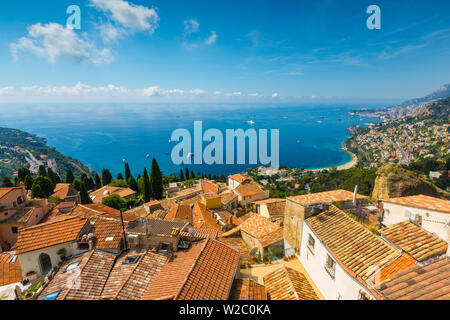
(433, 221)
(343, 286)
(29, 261)
(233, 184)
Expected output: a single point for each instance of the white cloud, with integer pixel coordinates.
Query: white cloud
(211, 39)
(113, 93)
(191, 39)
(54, 41)
(275, 95)
(128, 15)
(191, 26)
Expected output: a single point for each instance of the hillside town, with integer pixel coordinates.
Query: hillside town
(402, 143)
(222, 240)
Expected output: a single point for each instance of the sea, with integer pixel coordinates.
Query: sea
(105, 135)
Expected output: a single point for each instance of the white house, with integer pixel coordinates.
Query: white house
(341, 256)
(236, 180)
(432, 214)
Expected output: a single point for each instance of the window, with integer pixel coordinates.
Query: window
(311, 243)
(131, 259)
(83, 246)
(52, 296)
(165, 247)
(14, 230)
(330, 266)
(72, 266)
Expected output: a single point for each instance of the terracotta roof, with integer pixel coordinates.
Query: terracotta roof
(85, 281)
(258, 226)
(10, 271)
(20, 215)
(209, 187)
(227, 197)
(418, 243)
(155, 227)
(423, 202)
(63, 190)
(202, 218)
(60, 210)
(5, 191)
(249, 189)
(138, 211)
(95, 209)
(327, 197)
(401, 263)
(98, 195)
(275, 207)
(204, 272)
(108, 233)
(353, 246)
(239, 177)
(271, 238)
(429, 282)
(247, 289)
(131, 281)
(288, 284)
(182, 213)
(237, 242)
(56, 231)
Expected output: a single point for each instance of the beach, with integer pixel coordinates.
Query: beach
(351, 164)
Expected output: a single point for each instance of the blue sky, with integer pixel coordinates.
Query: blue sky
(195, 50)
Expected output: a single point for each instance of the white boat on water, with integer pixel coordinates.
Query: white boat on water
(251, 122)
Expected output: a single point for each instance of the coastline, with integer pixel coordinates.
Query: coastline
(351, 164)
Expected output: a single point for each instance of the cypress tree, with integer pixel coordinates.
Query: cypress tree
(90, 184)
(77, 185)
(156, 181)
(192, 175)
(98, 183)
(127, 171)
(132, 184)
(181, 175)
(85, 199)
(119, 176)
(28, 182)
(22, 173)
(7, 183)
(43, 187)
(69, 176)
(147, 187)
(186, 174)
(41, 171)
(106, 177)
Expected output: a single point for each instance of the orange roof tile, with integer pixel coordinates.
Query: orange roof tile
(205, 272)
(131, 281)
(63, 190)
(288, 284)
(108, 233)
(417, 242)
(249, 189)
(10, 271)
(403, 262)
(98, 195)
(202, 218)
(247, 289)
(4, 191)
(423, 202)
(258, 227)
(327, 197)
(209, 187)
(181, 212)
(85, 281)
(56, 231)
(420, 282)
(227, 197)
(95, 209)
(239, 177)
(353, 246)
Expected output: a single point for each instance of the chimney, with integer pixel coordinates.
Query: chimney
(355, 202)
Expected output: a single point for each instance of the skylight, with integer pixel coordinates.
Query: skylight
(72, 266)
(51, 296)
(131, 260)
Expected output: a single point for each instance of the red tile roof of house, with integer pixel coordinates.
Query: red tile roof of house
(227, 197)
(131, 281)
(98, 195)
(401, 263)
(202, 218)
(288, 284)
(209, 187)
(10, 271)
(60, 210)
(181, 212)
(56, 231)
(354, 247)
(95, 209)
(258, 227)
(417, 242)
(327, 197)
(249, 189)
(63, 190)
(85, 281)
(108, 233)
(248, 289)
(239, 177)
(204, 272)
(423, 202)
(275, 207)
(429, 282)
(5, 191)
